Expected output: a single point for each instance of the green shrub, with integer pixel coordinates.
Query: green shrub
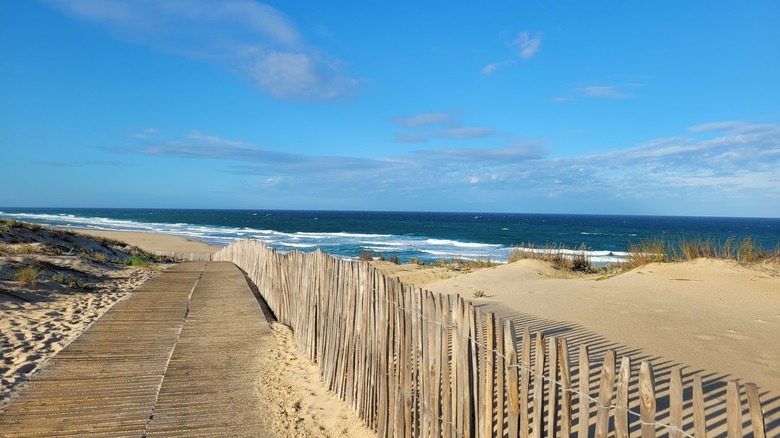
(137, 261)
(479, 294)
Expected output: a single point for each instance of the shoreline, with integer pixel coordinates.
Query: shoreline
(150, 241)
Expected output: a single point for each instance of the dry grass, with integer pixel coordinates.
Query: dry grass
(28, 276)
(464, 265)
(560, 256)
(744, 250)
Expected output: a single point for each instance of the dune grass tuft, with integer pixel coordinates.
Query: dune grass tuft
(28, 276)
(657, 250)
(560, 256)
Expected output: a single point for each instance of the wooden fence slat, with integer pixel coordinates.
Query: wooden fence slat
(675, 403)
(552, 405)
(756, 414)
(621, 412)
(606, 389)
(512, 381)
(733, 410)
(525, 378)
(479, 374)
(563, 357)
(490, 373)
(583, 420)
(444, 363)
(647, 402)
(500, 378)
(538, 397)
(699, 420)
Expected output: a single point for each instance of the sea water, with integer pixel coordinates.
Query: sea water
(427, 236)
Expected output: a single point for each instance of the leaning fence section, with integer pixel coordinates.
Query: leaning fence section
(412, 363)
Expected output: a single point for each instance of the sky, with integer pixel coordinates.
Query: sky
(658, 108)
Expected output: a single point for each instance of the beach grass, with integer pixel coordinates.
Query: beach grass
(28, 276)
(560, 256)
(137, 261)
(658, 250)
(66, 279)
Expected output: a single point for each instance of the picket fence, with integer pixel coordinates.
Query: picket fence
(412, 363)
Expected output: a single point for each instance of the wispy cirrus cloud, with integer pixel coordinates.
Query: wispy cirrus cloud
(615, 92)
(253, 39)
(491, 68)
(726, 162)
(425, 119)
(526, 46)
(605, 91)
(442, 124)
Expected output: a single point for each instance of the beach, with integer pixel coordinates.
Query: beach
(716, 317)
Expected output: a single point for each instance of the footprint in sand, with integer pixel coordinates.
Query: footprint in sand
(706, 337)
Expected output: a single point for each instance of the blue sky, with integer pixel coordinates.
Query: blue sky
(505, 106)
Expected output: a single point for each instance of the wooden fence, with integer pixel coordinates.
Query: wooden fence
(414, 363)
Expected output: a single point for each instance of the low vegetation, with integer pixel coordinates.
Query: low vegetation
(479, 294)
(464, 265)
(28, 276)
(743, 250)
(137, 261)
(66, 279)
(559, 256)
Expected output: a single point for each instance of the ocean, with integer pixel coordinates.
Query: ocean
(427, 236)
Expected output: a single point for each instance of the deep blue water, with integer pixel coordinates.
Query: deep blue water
(426, 236)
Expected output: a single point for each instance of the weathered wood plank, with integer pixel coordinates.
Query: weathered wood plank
(583, 421)
(525, 379)
(647, 401)
(756, 414)
(606, 389)
(733, 410)
(565, 370)
(538, 397)
(552, 398)
(512, 381)
(621, 412)
(675, 403)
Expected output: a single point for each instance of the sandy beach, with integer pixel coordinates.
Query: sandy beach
(712, 316)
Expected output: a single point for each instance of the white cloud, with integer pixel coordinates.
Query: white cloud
(248, 37)
(528, 45)
(606, 91)
(425, 119)
(491, 68)
(465, 132)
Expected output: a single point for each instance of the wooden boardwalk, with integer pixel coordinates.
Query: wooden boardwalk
(179, 357)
